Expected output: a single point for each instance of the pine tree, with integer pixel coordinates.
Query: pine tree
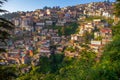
(5, 28)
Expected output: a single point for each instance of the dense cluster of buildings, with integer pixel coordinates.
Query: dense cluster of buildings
(97, 32)
(33, 36)
(22, 49)
(61, 16)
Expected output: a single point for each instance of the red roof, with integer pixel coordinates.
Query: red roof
(106, 30)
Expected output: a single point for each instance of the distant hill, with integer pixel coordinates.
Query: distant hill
(10, 16)
(95, 6)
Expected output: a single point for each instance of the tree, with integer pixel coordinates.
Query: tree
(8, 73)
(5, 29)
(1, 3)
(5, 32)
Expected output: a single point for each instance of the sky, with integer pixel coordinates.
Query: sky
(31, 5)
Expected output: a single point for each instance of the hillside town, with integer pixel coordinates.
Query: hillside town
(34, 35)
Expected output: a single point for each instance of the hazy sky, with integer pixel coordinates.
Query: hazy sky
(30, 5)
